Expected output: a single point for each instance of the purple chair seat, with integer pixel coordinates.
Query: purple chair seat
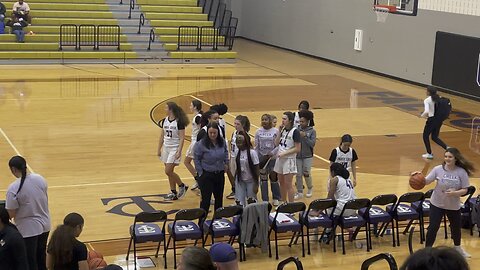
(322, 220)
(222, 227)
(185, 230)
(293, 226)
(376, 215)
(425, 205)
(404, 212)
(352, 221)
(147, 232)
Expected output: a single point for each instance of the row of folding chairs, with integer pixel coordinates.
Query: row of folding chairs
(296, 218)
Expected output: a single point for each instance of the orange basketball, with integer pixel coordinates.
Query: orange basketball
(92, 254)
(417, 181)
(96, 263)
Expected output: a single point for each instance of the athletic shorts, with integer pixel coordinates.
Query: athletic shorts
(190, 150)
(285, 166)
(168, 155)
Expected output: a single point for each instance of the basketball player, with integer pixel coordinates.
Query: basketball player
(172, 136)
(265, 147)
(433, 124)
(346, 156)
(246, 173)
(341, 188)
(288, 142)
(196, 109)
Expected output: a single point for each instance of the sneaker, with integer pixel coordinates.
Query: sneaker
(462, 252)
(231, 196)
(170, 197)
(427, 156)
(195, 186)
(182, 191)
(298, 196)
(309, 193)
(276, 203)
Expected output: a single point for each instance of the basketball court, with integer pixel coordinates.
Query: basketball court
(87, 130)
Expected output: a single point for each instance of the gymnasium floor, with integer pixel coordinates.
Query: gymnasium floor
(86, 129)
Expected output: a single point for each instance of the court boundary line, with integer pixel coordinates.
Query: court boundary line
(14, 148)
(257, 127)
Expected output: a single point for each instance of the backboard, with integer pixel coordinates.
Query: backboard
(400, 7)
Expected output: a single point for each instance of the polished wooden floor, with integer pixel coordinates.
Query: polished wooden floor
(87, 130)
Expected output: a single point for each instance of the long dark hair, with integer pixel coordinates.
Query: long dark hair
(460, 161)
(179, 114)
(339, 169)
(20, 164)
(61, 245)
(206, 139)
(435, 258)
(206, 116)
(432, 91)
(73, 220)
(197, 258)
(244, 121)
(291, 118)
(248, 146)
(197, 105)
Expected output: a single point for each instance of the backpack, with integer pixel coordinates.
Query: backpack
(476, 212)
(443, 107)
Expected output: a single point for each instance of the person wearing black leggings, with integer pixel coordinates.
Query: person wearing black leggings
(433, 124)
(452, 182)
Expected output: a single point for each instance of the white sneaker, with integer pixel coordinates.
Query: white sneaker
(182, 191)
(298, 196)
(427, 156)
(276, 203)
(462, 252)
(195, 186)
(309, 193)
(170, 197)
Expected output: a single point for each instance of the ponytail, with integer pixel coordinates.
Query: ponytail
(20, 164)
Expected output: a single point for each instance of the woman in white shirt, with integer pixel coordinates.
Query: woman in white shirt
(432, 126)
(196, 109)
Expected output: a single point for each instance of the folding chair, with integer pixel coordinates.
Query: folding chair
(283, 221)
(404, 212)
(221, 225)
(183, 228)
(378, 216)
(356, 220)
(323, 220)
(288, 260)
(425, 211)
(145, 230)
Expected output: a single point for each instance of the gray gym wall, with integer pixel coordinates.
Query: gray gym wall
(403, 46)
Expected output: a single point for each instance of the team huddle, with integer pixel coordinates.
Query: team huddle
(271, 157)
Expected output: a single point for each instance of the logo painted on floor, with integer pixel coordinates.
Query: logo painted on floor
(142, 202)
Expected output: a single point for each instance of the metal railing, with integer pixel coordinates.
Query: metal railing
(151, 38)
(132, 7)
(208, 37)
(89, 35)
(141, 23)
(188, 36)
(212, 13)
(68, 36)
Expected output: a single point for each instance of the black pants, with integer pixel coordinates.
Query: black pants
(211, 182)
(432, 127)
(436, 215)
(36, 251)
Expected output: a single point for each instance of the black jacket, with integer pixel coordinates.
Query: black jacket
(13, 254)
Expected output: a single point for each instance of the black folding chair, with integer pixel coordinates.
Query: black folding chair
(225, 222)
(424, 210)
(183, 228)
(323, 219)
(294, 260)
(346, 221)
(379, 216)
(286, 225)
(145, 229)
(380, 257)
(404, 212)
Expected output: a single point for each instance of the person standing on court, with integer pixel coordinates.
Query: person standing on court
(27, 205)
(308, 137)
(434, 121)
(211, 162)
(13, 254)
(452, 182)
(346, 155)
(196, 109)
(170, 145)
(288, 142)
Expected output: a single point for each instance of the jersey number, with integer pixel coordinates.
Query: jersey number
(169, 133)
(349, 184)
(283, 142)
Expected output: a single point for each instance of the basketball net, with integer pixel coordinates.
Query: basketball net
(382, 13)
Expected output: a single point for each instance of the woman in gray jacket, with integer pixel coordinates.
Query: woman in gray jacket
(305, 156)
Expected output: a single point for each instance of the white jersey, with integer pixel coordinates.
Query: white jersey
(171, 129)
(343, 193)
(287, 141)
(223, 124)
(296, 120)
(233, 145)
(195, 128)
(246, 174)
(265, 141)
(345, 158)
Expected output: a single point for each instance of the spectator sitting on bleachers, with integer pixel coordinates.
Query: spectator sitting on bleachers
(3, 9)
(21, 10)
(17, 25)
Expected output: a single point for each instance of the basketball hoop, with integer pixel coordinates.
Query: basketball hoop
(382, 12)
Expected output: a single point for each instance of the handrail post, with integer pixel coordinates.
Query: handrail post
(141, 22)
(151, 38)
(132, 6)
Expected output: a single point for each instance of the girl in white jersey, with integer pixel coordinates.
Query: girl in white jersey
(265, 147)
(288, 142)
(196, 109)
(246, 173)
(172, 136)
(340, 188)
(241, 123)
(345, 155)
